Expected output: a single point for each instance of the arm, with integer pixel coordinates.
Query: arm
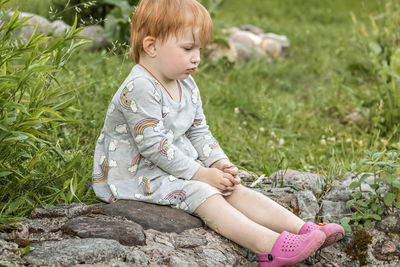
(154, 142)
(200, 136)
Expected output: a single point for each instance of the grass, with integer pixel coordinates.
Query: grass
(291, 113)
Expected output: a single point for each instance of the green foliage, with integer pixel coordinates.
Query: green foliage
(379, 40)
(379, 171)
(33, 106)
(117, 22)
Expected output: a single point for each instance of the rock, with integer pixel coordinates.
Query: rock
(137, 257)
(390, 224)
(249, 41)
(167, 219)
(65, 210)
(43, 25)
(214, 257)
(333, 210)
(9, 252)
(189, 242)
(97, 34)
(251, 28)
(386, 250)
(125, 232)
(177, 262)
(271, 40)
(217, 51)
(59, 27)
(299, 180)
(74, 251)
(338, 192)
(308, 205)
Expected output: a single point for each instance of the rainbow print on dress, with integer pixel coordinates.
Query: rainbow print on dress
(142, 125)
(125, 103)
(164, 146)
(146, 188)
(102, 176)
(135, 163)
(197, 122)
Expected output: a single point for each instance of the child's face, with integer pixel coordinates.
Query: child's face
(178, 57)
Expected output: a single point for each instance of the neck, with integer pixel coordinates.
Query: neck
(149, 65)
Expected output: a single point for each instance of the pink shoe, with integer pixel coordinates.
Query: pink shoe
(290, 249)
(334, 232)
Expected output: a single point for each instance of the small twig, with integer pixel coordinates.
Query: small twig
(259, 179)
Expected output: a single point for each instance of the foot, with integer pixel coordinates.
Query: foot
(334, 232)
(290, 249)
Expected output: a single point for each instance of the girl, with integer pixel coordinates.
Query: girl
(155, 145)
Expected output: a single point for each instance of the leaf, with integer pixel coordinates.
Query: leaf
(388, 199)
(375, 47)
(354, 185)
(5, 173)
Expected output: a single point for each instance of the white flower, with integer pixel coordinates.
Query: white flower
(244, 122)
(322, 142)
(281, 141)
(113, 145)
(236, 110)
(113, 189)
(206, 150)
(262, 129)
(332, 139)
(133, 106)
(348, 140)
(121, 128)
(139, 138)
(273, 134)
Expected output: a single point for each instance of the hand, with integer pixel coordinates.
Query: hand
(226, 166)
(216, 178)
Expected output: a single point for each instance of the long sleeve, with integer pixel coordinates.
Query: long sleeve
(200, 136)
(144, 117)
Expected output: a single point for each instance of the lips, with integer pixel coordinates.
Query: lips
(191, 70)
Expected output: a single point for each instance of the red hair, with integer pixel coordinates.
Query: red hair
(161, 18)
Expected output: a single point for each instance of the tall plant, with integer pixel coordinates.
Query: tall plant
(33, 105)
(380, 41)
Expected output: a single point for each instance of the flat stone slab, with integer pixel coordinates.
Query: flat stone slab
(152, 216)
(74, 251)
(125, 232)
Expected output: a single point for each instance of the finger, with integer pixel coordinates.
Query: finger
(231, 169)
(226, 182)
(235, 180)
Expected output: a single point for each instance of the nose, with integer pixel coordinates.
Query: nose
(196, 56)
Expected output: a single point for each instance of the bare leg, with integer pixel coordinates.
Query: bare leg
(264, 211)
(220, 216)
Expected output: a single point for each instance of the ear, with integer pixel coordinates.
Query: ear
(149, 46)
